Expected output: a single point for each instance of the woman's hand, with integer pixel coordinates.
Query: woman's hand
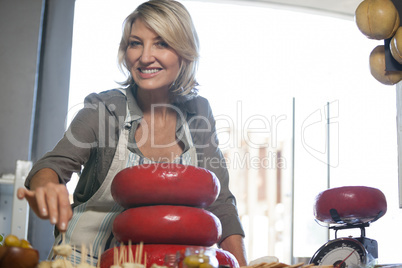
(48, 198)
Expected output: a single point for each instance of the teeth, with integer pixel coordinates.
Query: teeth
(149, 71)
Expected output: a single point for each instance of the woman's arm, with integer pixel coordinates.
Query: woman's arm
(235, 245)
(93, 127)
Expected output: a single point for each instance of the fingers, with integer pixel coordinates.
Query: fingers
(65, 212)
(22, 193)
(41, 203)
(49, 202)
(57, 204)
(30, 196)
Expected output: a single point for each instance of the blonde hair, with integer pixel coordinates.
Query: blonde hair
(173, 23)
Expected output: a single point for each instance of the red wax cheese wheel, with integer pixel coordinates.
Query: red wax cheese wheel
(165, 184)
(354, 204)
(156, 254)
(165, 224)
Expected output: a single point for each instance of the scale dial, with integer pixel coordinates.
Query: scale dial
(342, 253)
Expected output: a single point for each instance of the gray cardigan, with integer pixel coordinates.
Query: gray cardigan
(91, 139)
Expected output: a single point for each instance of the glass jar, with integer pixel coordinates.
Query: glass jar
(171, 261)
(200, 258)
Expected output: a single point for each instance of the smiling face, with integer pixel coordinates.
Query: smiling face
(152, 63)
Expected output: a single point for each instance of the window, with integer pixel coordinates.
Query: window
(259, 66)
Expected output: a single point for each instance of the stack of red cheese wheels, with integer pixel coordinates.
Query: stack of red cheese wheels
(165, 209)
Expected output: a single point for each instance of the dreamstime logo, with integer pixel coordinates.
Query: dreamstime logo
(317, 125)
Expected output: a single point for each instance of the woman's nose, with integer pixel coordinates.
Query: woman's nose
(147, 55)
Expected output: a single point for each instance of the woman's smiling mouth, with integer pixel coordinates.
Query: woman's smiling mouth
(146, 73)
(149, 71)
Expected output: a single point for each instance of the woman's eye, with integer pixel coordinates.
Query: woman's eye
(162, 44)
(133, 43)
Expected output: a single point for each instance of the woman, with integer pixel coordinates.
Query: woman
(156, 117)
